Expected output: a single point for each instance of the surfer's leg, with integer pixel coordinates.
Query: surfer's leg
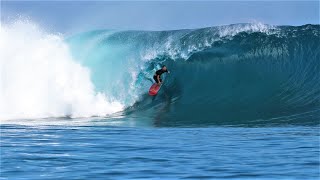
(155, 78)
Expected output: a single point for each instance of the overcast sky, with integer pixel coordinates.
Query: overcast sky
(70, 16)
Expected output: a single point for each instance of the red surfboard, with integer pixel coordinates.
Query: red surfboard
(154, 89)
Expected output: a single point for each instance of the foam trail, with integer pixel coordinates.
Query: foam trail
(39, 78)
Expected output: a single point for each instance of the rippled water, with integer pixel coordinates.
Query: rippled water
(108, 151)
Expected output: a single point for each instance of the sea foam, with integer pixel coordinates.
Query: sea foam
(39, 78)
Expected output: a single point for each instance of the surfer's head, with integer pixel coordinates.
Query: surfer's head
(164, 67)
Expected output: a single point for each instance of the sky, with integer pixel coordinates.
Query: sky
(72, 16)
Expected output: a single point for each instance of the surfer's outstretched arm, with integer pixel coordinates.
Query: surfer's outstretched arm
(150, 80)
(146, 76)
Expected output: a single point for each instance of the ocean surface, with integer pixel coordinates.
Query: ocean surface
(112, 152)
(242, 101)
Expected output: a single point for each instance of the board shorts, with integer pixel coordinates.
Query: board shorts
(155, 78)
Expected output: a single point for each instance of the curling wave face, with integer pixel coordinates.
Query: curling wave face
(235, 74)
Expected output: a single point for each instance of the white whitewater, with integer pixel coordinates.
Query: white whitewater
(39, 78)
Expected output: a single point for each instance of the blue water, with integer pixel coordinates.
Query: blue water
(101, 151)
(241, 102)
(232, 74)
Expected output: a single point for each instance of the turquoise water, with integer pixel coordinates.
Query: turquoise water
(241, 102)
(102, 151)
(234, 74)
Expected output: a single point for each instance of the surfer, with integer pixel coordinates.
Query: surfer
(157, 75)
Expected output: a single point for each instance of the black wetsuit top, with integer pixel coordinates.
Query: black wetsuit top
(159, 72)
